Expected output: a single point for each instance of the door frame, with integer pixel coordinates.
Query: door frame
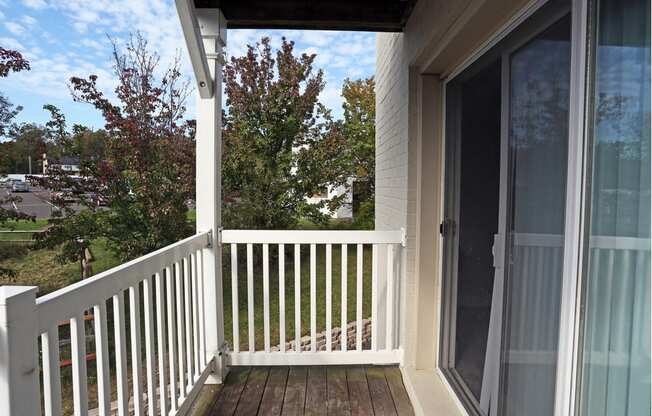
(568, 345)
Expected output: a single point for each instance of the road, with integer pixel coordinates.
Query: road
(36, 202)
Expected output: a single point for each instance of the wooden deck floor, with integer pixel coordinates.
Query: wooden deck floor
(332, 390)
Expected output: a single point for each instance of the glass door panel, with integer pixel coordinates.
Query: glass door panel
(616, 351)
(536, 130)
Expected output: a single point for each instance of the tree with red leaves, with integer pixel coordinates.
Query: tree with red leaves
(10, 61)
(146, 175)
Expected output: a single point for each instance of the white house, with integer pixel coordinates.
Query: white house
(345, 210)
(65, 163)
(510, 267)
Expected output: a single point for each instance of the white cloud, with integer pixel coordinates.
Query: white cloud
(28, 20)
(35, 4)
(14, 28)
(2, 15)
(93, 44)
(11, 43)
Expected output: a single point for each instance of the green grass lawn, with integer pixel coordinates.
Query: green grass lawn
(24, 225)
(16, 235)
(40, 268)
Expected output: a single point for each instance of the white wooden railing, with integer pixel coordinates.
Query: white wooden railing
(159, 300)
(167, 284)
(383, 347)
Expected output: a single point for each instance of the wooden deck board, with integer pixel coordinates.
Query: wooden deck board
(296, 391)
(316, 392)
(272, 402)
(338, 391)
(359, 397)
(253, 392)
(227, 400)
(381, 396)
(397, 388)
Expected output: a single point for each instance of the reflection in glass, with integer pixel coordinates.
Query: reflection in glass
(616, 360)
(538, 143)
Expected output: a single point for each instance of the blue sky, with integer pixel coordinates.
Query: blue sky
(64, 38)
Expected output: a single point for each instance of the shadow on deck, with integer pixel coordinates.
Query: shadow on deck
(331, 390)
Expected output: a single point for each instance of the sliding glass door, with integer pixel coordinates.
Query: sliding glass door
(507, 141)
(615, 365)
(516, 246)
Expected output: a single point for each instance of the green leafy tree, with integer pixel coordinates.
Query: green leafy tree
(143, 171)
(358, 131)
(279, 141)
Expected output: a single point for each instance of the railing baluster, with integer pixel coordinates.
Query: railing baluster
(149, 345)
(281, 296)
(136, 357)
(102, 359)
(187, 301)
(266, 296)
(297, 297)
(344, 297)
(51, 373)
(160, 335)
(313, 297)
(200, 291)
(235, 306)
(195, 314)
(120, 352)
(389, 336)
(358, 297)
(250, 297)
(374, 297)
(79, 375)
(172, 346)
(180, 330)
(329, 297)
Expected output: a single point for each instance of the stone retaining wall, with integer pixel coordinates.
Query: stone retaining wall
(336, 340)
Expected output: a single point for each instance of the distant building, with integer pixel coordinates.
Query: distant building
(345, 210)
(66, 163)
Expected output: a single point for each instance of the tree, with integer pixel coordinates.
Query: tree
(145, 170)
(358, 131)
(278, 146)
(10, 61)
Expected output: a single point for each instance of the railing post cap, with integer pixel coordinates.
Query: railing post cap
(9, 293)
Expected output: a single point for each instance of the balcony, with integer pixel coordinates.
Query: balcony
(156, 324)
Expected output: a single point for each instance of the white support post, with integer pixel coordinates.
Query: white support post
(19, 381)
(208, 181)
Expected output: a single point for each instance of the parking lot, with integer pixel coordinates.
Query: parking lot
(36, 202)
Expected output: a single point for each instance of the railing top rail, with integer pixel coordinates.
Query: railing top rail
(311, 237)
(67, 301)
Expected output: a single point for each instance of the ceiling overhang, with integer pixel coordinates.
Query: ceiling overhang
(367, 15)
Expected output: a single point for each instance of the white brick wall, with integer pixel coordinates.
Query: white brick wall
(396, 139)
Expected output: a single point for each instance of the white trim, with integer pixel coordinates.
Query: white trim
(567, 350)
(310, 237)
(316, 358)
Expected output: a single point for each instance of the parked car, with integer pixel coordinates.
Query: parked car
(19, 186)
